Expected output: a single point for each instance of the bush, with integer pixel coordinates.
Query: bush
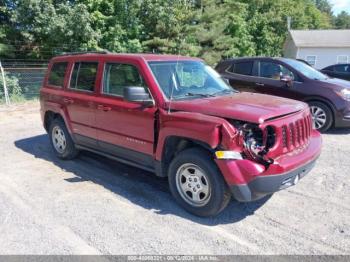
(13, 87)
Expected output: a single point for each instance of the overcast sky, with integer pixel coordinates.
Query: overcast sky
(340, 5)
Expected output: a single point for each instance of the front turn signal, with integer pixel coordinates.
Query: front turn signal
(228, 155)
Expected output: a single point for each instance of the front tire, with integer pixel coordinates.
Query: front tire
(322, 116)
(196, 183)
(61, 140)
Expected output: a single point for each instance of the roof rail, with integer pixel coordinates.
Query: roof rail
(85, 52)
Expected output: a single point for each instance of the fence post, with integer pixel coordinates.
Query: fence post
(6, 94)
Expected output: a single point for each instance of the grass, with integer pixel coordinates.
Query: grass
(19, 99)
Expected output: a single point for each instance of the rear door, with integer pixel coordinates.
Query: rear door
(124, 129)
(79, 101)
(240, 75)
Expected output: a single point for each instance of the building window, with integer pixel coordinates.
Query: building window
(311, 59)
(342, 59)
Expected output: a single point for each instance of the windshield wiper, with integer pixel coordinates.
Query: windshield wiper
(199, 94)
(225, 91)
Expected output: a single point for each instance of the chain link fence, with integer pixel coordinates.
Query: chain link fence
(21, 78)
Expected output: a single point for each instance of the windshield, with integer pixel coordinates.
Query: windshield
(306, 70)
(184, 79)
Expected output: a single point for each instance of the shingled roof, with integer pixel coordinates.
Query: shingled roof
(321, 38)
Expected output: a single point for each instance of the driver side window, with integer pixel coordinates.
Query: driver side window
(117, 76)
(274, 71)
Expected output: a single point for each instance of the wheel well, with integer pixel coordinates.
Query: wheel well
(328, 104)
(49, 116)
(174, 145)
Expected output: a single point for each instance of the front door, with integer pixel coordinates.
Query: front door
(124, 129)
(269, 81)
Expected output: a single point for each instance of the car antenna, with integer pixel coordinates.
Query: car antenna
(174, 82)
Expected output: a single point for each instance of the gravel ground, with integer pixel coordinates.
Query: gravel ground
(96, 206)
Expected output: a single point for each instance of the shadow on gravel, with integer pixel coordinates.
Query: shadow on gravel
(138, 186)
(338, 131)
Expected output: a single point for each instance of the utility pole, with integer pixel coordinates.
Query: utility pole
(289, 23)
(6, 94)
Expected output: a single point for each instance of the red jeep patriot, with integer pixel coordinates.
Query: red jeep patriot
(175, 116)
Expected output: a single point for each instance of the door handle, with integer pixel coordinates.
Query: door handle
(104, 108)
(259, 84)
(68, 100)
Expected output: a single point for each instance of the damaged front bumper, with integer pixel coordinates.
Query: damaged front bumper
(250, 181)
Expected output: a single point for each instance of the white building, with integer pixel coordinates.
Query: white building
(320, 48)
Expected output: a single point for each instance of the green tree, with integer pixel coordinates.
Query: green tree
(165, 24)
(41, 29)
(220, 30)
(324, 6)
(6, 29)
(211, 29)
(268, 22)
(342, 20)
(117, 22)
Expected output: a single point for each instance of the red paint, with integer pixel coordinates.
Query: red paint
(249, 107)
(244, 171)
(130, 125)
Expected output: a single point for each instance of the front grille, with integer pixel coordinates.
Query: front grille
(296, 134)
(284, 136)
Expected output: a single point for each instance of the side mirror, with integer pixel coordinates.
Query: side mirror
(137, 94)
(287, 80)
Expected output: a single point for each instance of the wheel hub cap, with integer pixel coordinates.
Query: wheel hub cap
(192, 184)
(59, 139)
(319, 116)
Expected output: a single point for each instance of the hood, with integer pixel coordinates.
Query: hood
(335, 84)
(250, 107)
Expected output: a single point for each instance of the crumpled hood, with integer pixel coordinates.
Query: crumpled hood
(250, 107)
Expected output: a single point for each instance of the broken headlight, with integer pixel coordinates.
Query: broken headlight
(256, 142)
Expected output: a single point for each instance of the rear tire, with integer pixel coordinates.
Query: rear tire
(61, 140)
(322, 116)
(196, 183)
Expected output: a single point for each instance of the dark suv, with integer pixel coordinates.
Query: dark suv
(176, 117)
(329, 99)
(341, 71)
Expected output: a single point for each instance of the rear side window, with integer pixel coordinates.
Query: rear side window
(117, 76)
(57, 73)
(84, 76)
(342, 68)
(242, 68)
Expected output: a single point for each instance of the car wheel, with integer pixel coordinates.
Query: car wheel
(196, 183)
(61, 140)
(322, 116)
